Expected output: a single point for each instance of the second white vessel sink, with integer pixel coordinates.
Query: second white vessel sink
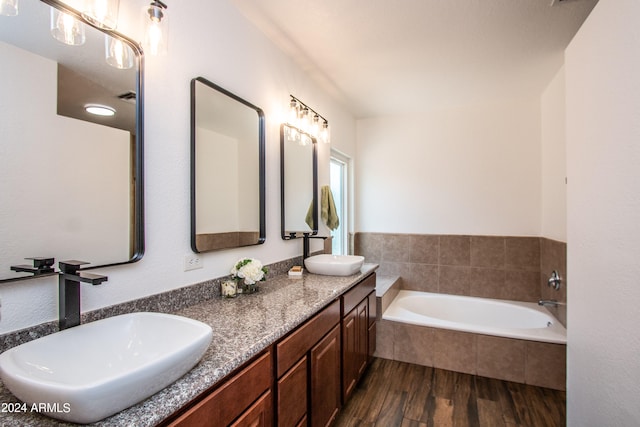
(334, 265)
(94, 370)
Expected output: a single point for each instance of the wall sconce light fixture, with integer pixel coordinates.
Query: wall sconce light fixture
(102, 13)
(156, 28)
(8, 7)
(66, 28)
(305, 120)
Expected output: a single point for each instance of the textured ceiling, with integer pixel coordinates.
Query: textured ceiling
(385, 57)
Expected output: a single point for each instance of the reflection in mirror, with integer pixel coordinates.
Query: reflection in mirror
(227, 169)
(70, 184)
(298, 183)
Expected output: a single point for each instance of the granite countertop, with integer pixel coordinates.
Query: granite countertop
(242, 328)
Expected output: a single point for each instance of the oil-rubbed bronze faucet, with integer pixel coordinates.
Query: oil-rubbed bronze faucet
(69, 291)
(305, 243)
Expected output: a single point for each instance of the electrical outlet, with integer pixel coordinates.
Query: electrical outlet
(192, 262)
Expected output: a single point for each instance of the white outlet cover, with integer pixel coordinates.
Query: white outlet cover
(192, 262)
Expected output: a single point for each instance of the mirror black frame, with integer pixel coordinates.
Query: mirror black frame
(261, 163)
(314, 143)
(137, 236)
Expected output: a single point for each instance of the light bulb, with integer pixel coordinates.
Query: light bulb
(293, 113)
(315, 126)
(102, 13)
(324, 133)
(8, 7)
(66, 29)
(117, 53)
(305, 119)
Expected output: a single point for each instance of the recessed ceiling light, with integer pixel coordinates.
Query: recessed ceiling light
(99, 110)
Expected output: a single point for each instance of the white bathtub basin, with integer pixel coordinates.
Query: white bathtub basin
(94, 370)
(334, 265)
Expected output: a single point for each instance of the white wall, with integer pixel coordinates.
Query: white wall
(602, 66)
(473, 170)
(208, 38)
(554, 169)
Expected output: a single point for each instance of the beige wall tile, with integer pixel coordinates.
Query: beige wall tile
(522, 286)
(421, 277)
(488, 251)
(501, 358)
(546, 365)
(396, 248)
(413, 344)
(455, 351)
(455, 250)
(384, 339)
(454, 280)
(486, 283)
(424, 248)
(369, 245)
(522, 253)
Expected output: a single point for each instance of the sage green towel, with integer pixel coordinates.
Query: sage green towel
(328, 211)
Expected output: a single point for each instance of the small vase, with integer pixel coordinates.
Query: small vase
(229, 289)
(250, 289)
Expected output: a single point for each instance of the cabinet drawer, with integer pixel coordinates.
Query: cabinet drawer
(293, 347)
(232, 398)
(353, 297)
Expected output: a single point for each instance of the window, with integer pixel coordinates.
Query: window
(339, 179)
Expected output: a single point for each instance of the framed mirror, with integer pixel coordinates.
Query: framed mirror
(71, 183)
(227, 169)
(298, 183)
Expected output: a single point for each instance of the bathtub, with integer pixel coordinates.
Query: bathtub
(502, 318)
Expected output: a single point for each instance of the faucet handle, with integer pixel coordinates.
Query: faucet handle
(71, 266)
(41, 265)
(555, 280)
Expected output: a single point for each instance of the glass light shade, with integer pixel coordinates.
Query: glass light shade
(156, 33)
(315, 126)
(66, 29)
(293, 113)
(102, 13)
(117, 53)
(324, 133)
(305, 119)
(8, 7)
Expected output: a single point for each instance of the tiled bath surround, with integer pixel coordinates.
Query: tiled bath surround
(515, 268)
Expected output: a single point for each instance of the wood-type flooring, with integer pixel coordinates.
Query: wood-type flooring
(400, 394)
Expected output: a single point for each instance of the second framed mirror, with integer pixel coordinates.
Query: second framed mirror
(227, 169)
(298, 183)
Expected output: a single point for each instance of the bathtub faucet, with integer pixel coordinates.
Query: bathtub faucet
(552, 302)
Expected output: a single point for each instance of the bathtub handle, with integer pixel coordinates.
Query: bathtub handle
(555, 280)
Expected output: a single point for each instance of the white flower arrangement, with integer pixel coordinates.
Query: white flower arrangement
(249, 269)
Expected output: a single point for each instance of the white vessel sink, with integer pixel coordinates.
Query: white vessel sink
(94, 370)
(334, 265)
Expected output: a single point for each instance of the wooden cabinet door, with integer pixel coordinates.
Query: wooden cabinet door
(325, 379)
(362, 337)
(355, 339)
(292, 395)
(260, 414)
(349, 350)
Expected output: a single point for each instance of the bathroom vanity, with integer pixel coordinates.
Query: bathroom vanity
(286, 355)
(302, 379)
